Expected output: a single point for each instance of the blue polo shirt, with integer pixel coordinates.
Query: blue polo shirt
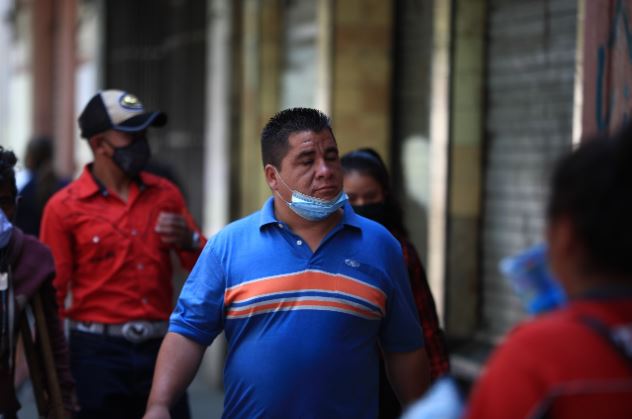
(302, 327)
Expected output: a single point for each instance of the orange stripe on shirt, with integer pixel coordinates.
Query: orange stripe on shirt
(303, 281)
(302, 304)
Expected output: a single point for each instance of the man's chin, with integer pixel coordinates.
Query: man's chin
(328, 195)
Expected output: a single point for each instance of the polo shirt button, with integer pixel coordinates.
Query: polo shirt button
(96, 239)
(145, 300)
(280, 225)
(299, 242)
(134, 232)
(140, 266)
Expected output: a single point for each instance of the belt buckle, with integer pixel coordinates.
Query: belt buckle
(137, 331)
(89, 327)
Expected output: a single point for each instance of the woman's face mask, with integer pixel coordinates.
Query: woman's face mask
(375, 211)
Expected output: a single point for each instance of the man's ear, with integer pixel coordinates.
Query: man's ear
(98, 145)
(565, 251)
(272, 176)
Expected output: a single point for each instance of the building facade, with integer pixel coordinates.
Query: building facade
(469, 101)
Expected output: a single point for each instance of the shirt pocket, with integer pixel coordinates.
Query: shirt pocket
(98, 243)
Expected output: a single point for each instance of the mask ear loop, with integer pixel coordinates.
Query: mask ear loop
(289, 204)
(282, 181)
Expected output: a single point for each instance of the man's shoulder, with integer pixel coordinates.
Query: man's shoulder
(248, 224)
(68, 192)
(559, 329)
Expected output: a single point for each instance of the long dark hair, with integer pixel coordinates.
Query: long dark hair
(367, 161)
(592, 186)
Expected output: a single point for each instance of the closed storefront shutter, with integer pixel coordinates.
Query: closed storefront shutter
(531, 67)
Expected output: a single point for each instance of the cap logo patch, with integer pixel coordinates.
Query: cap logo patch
(130, 102)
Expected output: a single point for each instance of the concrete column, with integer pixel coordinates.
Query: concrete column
(216, 148)
(324, 72)
(63, 100)
(260, 94)
(42, 15)
(465, 168)
(362, 71)
(439, 139)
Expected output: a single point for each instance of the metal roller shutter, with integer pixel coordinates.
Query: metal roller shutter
(531, 62)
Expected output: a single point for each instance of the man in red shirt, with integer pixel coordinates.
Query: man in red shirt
(111, 232)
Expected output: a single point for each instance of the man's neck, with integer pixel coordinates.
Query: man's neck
(312, 232)
(112, 178)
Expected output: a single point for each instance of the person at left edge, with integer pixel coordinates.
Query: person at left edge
(111, 232)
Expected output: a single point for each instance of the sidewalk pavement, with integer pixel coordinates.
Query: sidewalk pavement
(205, 402)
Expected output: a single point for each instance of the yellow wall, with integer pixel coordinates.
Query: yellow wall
(361, 93)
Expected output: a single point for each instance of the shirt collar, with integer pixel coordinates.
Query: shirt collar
(89, 185)
(349, 217)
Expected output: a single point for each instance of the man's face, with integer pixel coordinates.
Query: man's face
(311, 166)
(7, 201)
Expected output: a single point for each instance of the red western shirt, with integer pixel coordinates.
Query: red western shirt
(107, 253)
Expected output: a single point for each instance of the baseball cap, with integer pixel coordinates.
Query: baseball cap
(118, 110)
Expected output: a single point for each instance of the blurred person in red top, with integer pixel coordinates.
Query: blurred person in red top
(111, 232)
(367, 183)
(576, 362)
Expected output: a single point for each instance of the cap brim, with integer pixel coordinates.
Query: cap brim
(142, 122)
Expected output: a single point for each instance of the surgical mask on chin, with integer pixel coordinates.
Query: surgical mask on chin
(132, 158)
(312, 208)
(6, 228)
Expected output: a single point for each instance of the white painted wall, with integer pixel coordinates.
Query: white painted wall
(216, 149)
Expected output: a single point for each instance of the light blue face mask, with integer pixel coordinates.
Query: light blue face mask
(312, 208)
(6, 229)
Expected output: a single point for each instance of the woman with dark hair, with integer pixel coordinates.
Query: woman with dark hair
(367, 184)
(576, 361)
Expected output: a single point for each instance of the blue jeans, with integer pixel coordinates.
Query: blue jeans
(113, 376)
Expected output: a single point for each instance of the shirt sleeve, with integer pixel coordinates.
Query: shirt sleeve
(58, 238)
(400, 330)
(199, 312)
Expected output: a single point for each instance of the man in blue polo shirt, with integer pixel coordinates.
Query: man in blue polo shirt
(307, 292)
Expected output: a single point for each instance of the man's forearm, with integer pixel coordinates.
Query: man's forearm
(409, 374)
(178, 361)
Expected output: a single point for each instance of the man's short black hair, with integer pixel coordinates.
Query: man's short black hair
(7, 174)
(274, 136)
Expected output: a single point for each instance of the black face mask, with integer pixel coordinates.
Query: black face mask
(132, 158)
(375, 212)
